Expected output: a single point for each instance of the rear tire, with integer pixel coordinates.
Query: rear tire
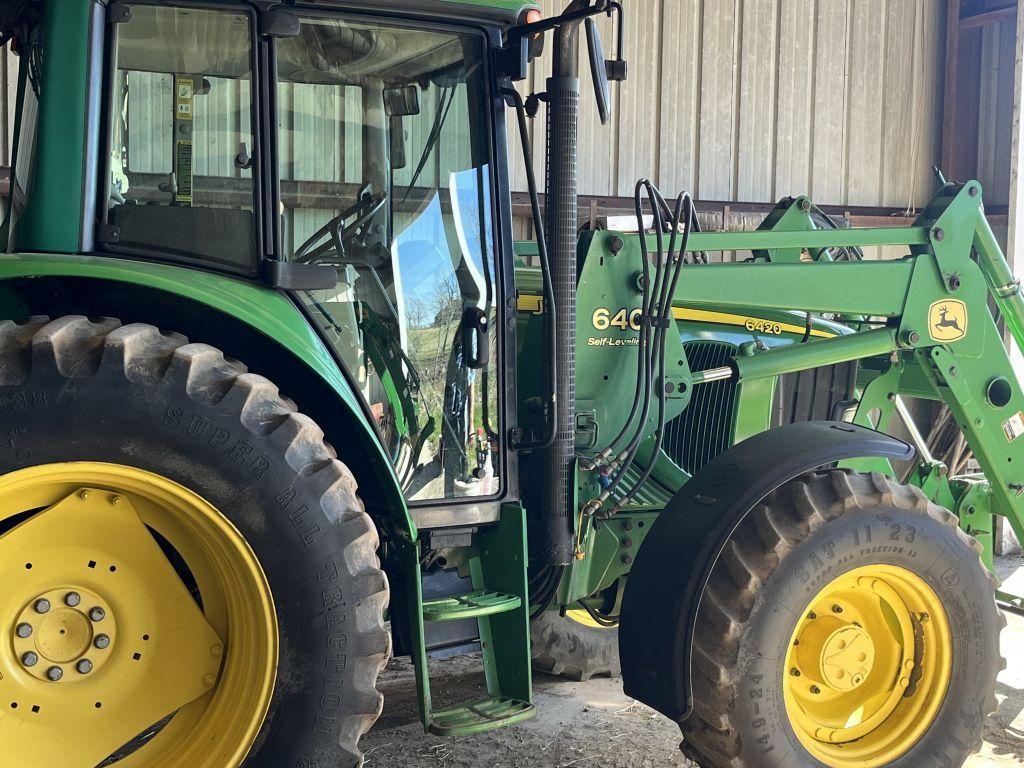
(74, 390)
(791, 549)
(568, 648)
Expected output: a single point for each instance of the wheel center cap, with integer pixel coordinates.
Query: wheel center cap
(847, 656)
(64, 635)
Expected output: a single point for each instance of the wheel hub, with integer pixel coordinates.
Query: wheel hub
(835, 653)
(64, 635)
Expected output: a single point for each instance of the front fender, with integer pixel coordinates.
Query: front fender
(667, 582)
(260, 326)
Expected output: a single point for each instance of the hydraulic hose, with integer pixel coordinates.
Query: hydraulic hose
(545, 266)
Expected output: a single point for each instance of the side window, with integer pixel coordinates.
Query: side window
(385, 176)
(181, 181)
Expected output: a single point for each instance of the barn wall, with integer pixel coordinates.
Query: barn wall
(751, 100)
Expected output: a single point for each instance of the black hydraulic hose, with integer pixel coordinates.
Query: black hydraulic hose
(660, 317)
(660, 434)
(545, 268)
(646, 293)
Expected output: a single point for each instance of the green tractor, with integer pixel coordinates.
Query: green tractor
(280, 396)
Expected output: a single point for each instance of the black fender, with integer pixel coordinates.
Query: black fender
(667, 581)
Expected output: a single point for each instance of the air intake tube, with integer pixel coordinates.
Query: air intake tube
(554, 545)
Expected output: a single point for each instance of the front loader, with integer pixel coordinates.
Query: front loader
(279, 396)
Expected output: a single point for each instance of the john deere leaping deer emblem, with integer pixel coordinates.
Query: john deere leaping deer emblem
(947, 320)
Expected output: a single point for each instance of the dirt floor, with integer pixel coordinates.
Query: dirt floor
(594, 725)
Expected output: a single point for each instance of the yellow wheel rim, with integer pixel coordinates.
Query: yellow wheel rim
(868, 666)
(139, 628)
(580, 616)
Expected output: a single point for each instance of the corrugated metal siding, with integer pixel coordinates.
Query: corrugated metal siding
(751, 100)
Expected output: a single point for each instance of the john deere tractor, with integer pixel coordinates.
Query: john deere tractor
(281, 396)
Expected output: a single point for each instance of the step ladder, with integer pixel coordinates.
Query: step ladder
(499, 602)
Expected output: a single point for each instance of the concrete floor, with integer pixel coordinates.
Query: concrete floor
(594, 725)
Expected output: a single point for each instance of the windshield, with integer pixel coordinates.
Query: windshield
(385, 176)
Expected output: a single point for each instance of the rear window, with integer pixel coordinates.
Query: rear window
(181, 179)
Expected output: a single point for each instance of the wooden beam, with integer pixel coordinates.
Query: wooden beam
(983, 19)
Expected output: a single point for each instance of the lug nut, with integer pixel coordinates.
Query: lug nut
(794, 672)
(53, 674)
(84, 667)
(102, 642)
(815, 689)
(24, 630)
(837, 609)
(72, 599)
(29, 659)
(42, 606)
(97, 614)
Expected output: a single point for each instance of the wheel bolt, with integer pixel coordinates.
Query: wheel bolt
(812, 615)
(24, 630)
(42, 606)
(97, 614)
(29, 659)
(84, 667)
(53, 674)
(72, 599)
(794, 672)
(815, 689)
(837, 609)
(102, 642)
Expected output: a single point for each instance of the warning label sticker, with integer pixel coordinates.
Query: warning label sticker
(1013, 427)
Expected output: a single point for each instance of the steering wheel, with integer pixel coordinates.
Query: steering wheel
(350, 224)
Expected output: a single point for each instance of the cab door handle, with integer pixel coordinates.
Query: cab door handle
(476, 341)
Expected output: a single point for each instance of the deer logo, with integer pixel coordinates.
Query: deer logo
(947, 320)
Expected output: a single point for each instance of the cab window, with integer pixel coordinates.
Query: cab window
(181, 169)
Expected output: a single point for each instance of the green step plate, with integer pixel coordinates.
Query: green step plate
(469, 606)
(484, 715)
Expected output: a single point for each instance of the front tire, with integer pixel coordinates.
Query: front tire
(848, 623)
(191, 442)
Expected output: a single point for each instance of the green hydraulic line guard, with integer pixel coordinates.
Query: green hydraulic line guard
(1005, 287)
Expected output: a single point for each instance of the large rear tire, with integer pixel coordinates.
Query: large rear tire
(848, 623)
(574, 646)
(221, 534)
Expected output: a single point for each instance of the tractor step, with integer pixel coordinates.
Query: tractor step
(475, 605)
(480, 716)
(500, 604)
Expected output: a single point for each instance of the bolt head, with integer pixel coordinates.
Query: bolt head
(216, 650)
(972, 190)
(938, 234)
(85, 495)
(837, 609)
(97, 614)
(627, 559)
(102, 642)
(815, 689)
(72, 599)
(54, 674)
(42, 606)
(84, 667)
(24, 630)
(812, 615)
(209, 679)
(29, 659)
(794, 672)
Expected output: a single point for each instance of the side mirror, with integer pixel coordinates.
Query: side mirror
(599, 71)
(401, 101)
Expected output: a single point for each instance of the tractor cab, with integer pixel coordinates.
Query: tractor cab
(384, 137)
